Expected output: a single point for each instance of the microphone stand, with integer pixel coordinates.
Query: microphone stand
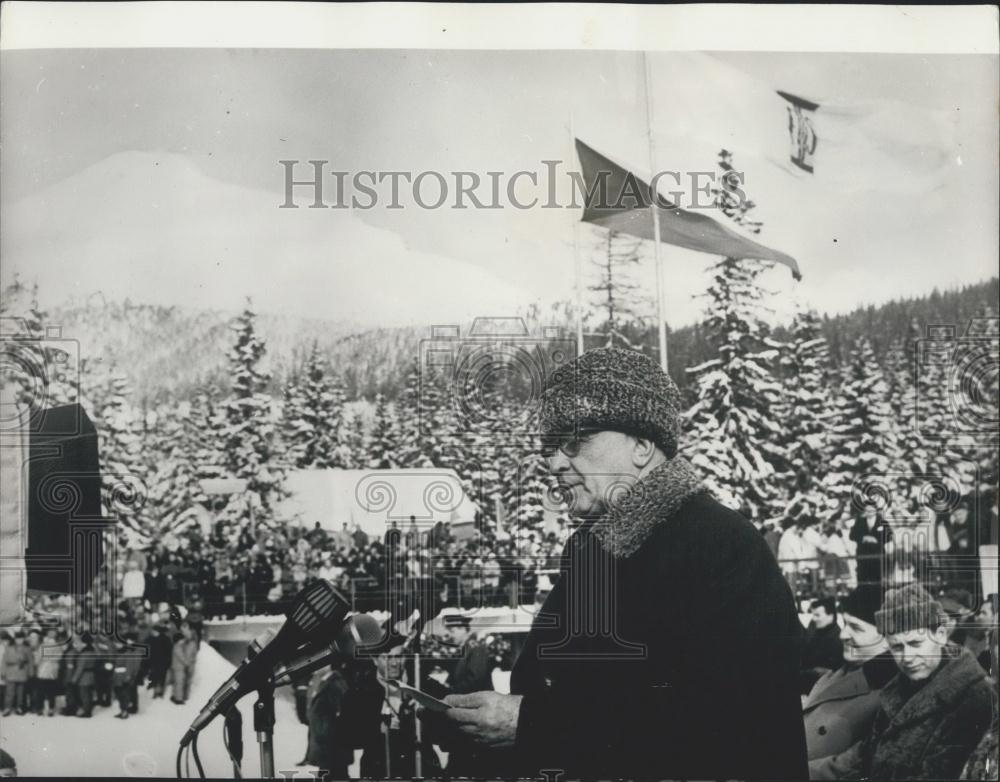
(263, 724)
(387, 729)
(417, 752)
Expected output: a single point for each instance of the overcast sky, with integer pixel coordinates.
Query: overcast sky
(154, 174)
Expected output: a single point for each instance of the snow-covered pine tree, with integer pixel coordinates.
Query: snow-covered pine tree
(414, 436)
(732, 434)
(249, 443)
(805, 409)
(432, 412)
(958, 402)
(533, 489)
(171, 457)
(986, 397)
(203, 426)
(312, 415)
(480, 453)
(618, 306)
(901, 371)
(352, 439)
(383, 443)
(126, 477)
(862, 433)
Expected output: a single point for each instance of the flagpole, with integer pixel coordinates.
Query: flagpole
(657, 260)
(578, 274)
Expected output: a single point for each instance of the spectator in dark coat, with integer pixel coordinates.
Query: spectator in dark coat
(360, 538)
(260, 581)
(182, 663)
(47, 673)
(840, 709)
(18, 668)
(934, 712)
(362, 716)
(965, 540)
(327, 748)
(104, 667)
(5, 643)
(173, 586)
(67, 673)
(317, 536)
(84, 671)
(125, 672)
(699, 677)
(300, 690)
(160, 655)
(824, 651)
(196, 619)
(871, 533)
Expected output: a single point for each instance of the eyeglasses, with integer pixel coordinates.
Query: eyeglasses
(569, 445)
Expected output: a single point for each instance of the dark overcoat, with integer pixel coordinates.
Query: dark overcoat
(668, 648)
(932, 734)
(327, 748)
(841, 707)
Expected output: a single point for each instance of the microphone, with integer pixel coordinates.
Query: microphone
(361, 631)
(316, 617)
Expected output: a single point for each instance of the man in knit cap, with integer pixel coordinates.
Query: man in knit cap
(669, 647)
(933, 712)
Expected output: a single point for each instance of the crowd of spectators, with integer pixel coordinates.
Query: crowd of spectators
(236, 573)
(877, 546)
(78, 654)
(233, 571)
(142, 623)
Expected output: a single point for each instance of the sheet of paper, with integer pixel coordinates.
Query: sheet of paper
(420, 697)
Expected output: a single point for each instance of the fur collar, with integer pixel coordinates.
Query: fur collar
(649, 503)
(960, 671)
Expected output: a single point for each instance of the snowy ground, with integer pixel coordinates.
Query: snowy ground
(146, 743)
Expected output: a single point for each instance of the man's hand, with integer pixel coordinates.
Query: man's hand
(488, 718)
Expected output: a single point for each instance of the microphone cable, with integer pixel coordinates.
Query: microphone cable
(237, 767)
(197, 760)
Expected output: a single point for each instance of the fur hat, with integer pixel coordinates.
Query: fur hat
(862, 603)
(613, 389)
(907, 608)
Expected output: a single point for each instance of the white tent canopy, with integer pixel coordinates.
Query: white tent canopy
(373, 499)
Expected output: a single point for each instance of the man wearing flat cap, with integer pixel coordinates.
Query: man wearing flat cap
(669, 647)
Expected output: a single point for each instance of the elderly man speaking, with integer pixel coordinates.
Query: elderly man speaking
(669, 647)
